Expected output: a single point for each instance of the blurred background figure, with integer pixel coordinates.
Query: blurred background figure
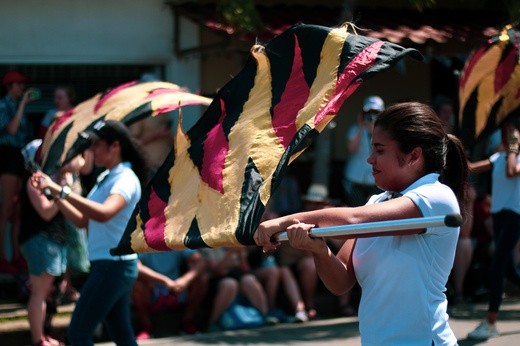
(275, 278)
(64, 100)
(505, 211)
(43, 239)
(443, 106)
(170, 280)
(358, 181)
(301, 262)
(14, 134)
(230, 274)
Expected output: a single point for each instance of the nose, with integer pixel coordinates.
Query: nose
(370, 158)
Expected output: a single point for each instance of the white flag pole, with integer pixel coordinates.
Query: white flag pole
(451, 220)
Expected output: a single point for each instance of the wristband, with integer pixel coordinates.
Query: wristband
(65, 191)
(513, 140)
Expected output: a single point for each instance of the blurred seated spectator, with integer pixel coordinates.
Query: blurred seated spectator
(162, 284)
(273, 276)
(302, 262)
(232, 283)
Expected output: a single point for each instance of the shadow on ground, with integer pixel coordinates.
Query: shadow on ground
(284, 334)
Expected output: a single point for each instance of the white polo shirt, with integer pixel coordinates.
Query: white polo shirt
(403, 278)
(506, 191)
(103, 236)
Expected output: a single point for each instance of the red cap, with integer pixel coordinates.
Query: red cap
(13, 76)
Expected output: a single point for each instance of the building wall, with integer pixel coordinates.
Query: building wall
(96, 32)
(76, 31)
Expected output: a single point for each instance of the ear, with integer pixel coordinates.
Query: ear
(415, 156)
(115, 145)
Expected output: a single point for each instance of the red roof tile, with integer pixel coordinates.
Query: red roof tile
(399, 26)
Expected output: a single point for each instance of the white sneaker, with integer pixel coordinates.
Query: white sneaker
(483, 331)
(301, 316)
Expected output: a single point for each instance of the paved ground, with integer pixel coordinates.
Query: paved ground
(344, 331)
(14, 328)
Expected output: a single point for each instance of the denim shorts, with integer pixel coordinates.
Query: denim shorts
(44, 255)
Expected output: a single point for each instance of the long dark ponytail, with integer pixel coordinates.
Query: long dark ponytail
(131, 150)
(414, 124)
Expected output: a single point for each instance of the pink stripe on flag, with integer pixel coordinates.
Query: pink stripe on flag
(154, 227)
(216, 148)
(293, 99)
(172, 107)
(112, 93)
(344, 86)
(505, 68)
(161, 91)
(61, 120)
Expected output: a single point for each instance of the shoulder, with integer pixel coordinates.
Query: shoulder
(432, 197)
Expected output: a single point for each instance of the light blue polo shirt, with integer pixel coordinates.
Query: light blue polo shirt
(103, 236)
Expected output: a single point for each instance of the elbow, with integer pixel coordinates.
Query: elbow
(79, 222)
(103, 218)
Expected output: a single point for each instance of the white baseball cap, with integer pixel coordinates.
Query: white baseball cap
(373, 103)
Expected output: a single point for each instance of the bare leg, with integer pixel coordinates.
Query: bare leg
(270, 279)
(141, 301)
(291, 289)
(253, 290)
(15, 231)
(196, 293)
(9, 187)
(308, 282)
(41, 286)
(226, 292)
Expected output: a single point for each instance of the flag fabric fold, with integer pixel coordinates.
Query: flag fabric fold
(214, 185)
(489, 86)
(128, 103)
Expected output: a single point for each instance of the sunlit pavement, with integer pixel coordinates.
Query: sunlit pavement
(344, 331)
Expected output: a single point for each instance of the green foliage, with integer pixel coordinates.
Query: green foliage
(241, 14)
(422, 4)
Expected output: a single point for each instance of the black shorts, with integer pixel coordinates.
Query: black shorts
(11, 160)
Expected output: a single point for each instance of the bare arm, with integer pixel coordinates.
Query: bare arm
(77, 208)
(196, 267)
(13, 125)
(512, 167)
(395, 209)
(480, 166)
(45, 208)
(336, 272)
(148, 274)
(513, 141)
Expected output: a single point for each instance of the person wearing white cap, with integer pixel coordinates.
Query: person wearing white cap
(358, 181)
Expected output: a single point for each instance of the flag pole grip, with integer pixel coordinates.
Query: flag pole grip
(361, 229)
